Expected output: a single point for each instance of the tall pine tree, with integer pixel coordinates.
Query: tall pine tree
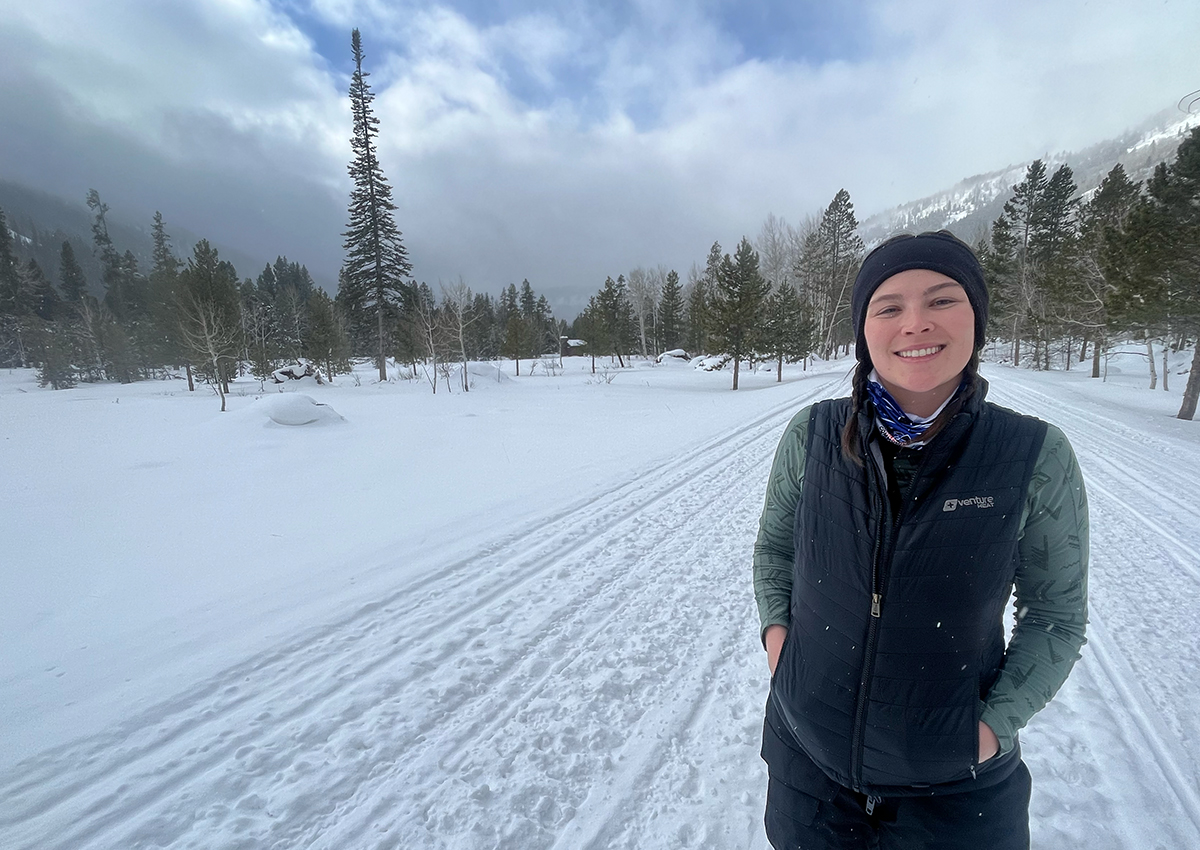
(737, 305)
(670, 313)
(70, 275)
(377, 265)
(827, 266)
(1102, 219)
(788, 329)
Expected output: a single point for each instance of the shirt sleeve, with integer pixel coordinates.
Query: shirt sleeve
(1050, 591)
(774, 550)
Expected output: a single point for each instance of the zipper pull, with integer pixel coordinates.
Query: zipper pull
(876, 604)
(870, 807)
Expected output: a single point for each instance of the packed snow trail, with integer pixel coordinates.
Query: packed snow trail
(1143, 644)
(595, 680)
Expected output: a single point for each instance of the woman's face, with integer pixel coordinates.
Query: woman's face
(920, 332)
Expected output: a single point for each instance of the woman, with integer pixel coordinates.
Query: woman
(897, 522)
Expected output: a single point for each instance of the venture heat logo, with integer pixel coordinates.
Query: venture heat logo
(973, 502)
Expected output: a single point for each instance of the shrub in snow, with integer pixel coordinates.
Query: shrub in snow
(711, 363)
(296, 371)
(674, 353)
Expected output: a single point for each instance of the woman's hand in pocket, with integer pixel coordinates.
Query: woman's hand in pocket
(774, 640)
(989, 744)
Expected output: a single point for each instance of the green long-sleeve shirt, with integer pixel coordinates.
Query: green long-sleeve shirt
(1050, 585)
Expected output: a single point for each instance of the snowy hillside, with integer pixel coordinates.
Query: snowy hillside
(970, 206)
(517, 618)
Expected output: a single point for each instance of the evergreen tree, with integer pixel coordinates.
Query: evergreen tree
(11, 286)
(547, 333)
(517, 338)
(53, 349)
(1015, 287)
(483, 343)
(696, 314)
(45, 302)
(788, 327)
(1101, 220)
(589, 327)
(528, 300)
(162, 342)
(737, 305)
(1054, 246)
(111, 264)
(14, 302)
(210, 315)
(327, 343)
(377, 263)
(670, 313)
(615, 315)
(828, 264)
(70, 275)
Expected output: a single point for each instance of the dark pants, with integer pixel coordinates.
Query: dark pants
(991, 818)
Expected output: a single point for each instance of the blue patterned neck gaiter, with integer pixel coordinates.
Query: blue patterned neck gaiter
(896, 425)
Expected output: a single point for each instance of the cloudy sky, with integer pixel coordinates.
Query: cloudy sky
(561, 142)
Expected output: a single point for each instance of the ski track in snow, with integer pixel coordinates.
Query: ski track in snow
(348, 728)
(1142, 582)
(594, 679)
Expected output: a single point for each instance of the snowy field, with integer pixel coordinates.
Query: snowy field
(515, 618)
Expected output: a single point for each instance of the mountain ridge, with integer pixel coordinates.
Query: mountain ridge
(969, 207)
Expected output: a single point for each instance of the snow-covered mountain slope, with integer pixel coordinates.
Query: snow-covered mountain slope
(969, 207)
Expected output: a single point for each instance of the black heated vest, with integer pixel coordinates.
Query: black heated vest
(896, 620)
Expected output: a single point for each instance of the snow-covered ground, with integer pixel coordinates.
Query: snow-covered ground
(519, 617)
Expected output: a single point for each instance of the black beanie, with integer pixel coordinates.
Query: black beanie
(940, 252)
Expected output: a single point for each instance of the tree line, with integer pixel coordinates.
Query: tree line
(782, 298)
(1068, 273)
(200, 317)
(133, 324)
(1122, 263)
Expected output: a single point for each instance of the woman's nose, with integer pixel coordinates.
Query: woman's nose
(917, 321)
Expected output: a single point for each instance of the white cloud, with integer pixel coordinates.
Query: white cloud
(562, 145)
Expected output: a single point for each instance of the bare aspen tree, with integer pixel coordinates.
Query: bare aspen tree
(459, 301)
(429, 329)
(643, 296)
(210, 336)
(778, 251)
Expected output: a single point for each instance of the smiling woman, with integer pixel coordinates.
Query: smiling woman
(896, 525)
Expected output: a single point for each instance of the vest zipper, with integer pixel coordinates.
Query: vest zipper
(857, 745)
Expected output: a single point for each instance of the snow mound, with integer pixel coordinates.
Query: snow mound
(489, 371)
(297, 409)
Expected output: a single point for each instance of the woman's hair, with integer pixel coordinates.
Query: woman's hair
(858, 397)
